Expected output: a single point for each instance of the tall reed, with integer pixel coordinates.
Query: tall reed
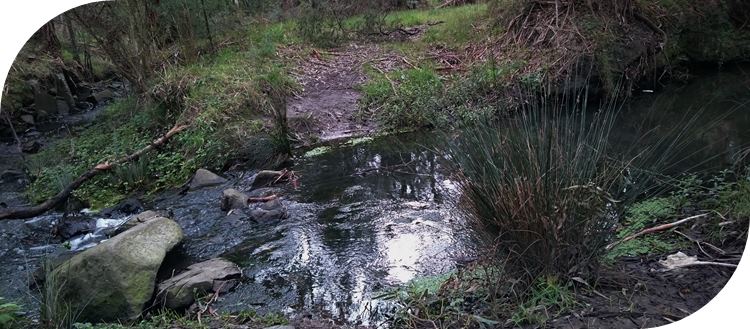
(545, 189)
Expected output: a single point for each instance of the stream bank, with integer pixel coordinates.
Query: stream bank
(371, 215)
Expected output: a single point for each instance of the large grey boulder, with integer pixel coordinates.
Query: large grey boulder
(214, 275)
(114, 280)
(204, 178)
(233, 199)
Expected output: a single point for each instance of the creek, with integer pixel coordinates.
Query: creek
(368, 215)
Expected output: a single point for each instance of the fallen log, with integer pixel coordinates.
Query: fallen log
(28, 212)
(654, 229)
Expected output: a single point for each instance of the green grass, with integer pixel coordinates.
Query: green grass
(717, 194)
(457, 25)
(549, 299)
(317, 151)
(9, 317)
(406, 98)
(420, 97)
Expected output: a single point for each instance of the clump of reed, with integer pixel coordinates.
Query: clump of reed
(539, 187)
(544, 190)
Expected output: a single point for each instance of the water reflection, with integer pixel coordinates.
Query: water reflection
(366, 218)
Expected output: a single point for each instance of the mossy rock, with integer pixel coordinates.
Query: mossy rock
(114, 280)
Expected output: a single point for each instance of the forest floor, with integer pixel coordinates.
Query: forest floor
(639, 293)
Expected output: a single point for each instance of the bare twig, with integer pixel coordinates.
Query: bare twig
(263, 199)
(699, 243)
(393, 85)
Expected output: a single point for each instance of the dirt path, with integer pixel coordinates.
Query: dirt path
(327, 108)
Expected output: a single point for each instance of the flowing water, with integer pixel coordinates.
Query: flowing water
(367, 216)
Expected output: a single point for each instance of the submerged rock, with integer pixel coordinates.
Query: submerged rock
(274, 204)
(215, 275)
(135, 220)
(115, 279)
(265, 178)
(102, 96)
(233, 199)
(69, 229)
(28, 119)
(204, 178)
(262, 215)
(126, 207)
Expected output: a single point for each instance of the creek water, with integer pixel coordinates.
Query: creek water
(369, 216)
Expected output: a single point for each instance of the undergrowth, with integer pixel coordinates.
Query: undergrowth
(9, 317)
(228, 101)
(723, 196)
(420, 97)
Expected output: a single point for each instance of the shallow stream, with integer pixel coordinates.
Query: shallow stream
(368, 215)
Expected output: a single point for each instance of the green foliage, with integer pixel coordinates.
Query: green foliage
(169, 319)
(322, 25)
(459, 25)
(410, 102)
(8, 314)
(549, 298)
(273, 319)
(428, 285)
(359, 141)
(54, 311)
(413, 98)
(226, 99)
(640, 216)
(317, 151)
(717, 194)
(121, 131)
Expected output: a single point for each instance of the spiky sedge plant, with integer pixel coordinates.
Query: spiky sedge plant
(544, 189)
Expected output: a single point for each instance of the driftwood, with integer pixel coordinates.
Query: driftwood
(28, 212)
(655, 229)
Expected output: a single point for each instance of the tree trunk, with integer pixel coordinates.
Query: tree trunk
(208, 30)
(72, 38)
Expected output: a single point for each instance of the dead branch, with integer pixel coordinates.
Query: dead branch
(28, 212)
(700, 243)
(263, 198)
(393, 85)
(654, 229)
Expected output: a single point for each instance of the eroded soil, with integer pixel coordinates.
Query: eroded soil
(326, 108)
(640, 293)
